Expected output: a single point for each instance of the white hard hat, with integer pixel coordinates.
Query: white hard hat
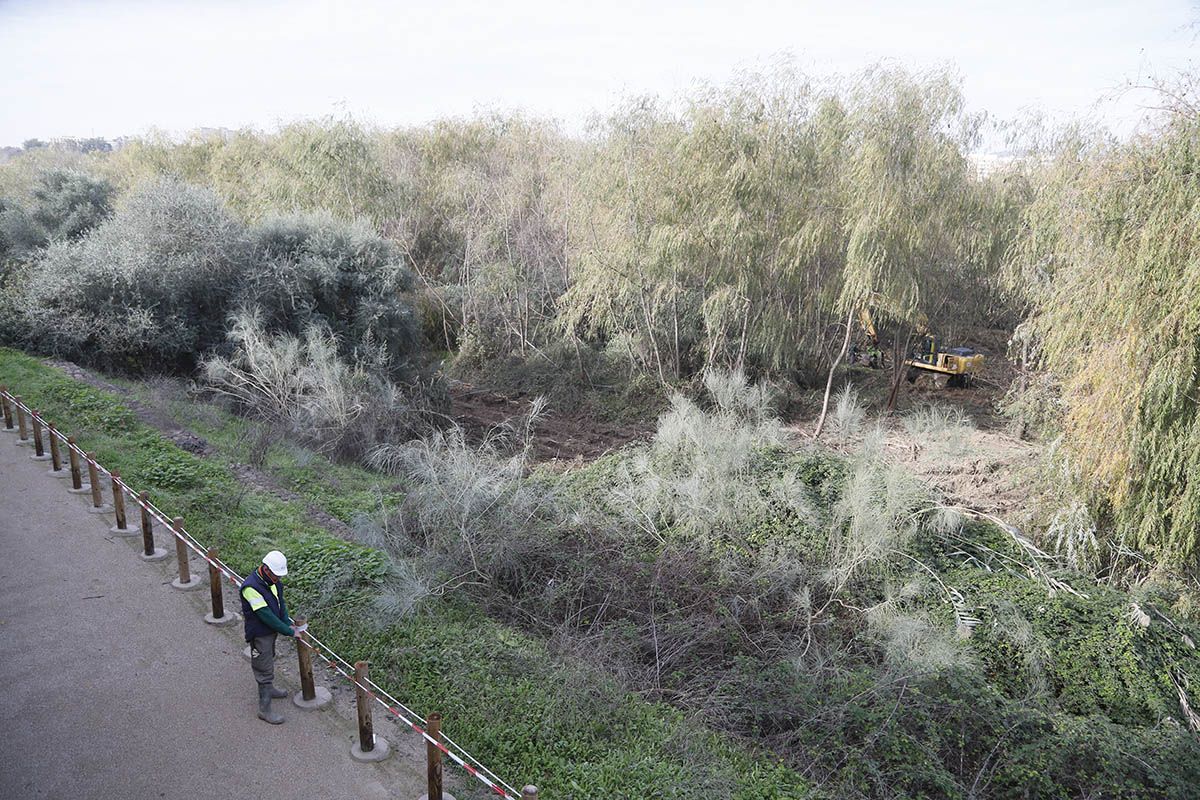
(276, 562)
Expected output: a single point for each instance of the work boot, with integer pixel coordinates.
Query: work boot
(264, 705)
(278, 694)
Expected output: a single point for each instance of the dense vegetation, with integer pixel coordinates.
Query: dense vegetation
(1108, 266)
(729, 231)
(770, 620)
(530, 717)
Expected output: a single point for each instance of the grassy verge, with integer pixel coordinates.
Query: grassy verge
(563, 726)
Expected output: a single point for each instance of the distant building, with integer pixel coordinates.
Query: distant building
(987, 163)
(223, 134)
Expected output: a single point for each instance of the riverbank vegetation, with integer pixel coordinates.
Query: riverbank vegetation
(728, 604)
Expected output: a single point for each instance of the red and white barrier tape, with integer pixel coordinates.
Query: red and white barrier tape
(393, 706)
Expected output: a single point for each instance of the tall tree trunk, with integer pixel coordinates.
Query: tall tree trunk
(678, 359)
(833, 368)
(741, 356)
(898, 356)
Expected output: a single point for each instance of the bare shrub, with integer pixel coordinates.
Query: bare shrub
(877, 515)
(696, 478)
(1062, 509)
(471, 506)
(1073, 532)
(849, 416)
(304, 386)
(941, 434)
(911, 641)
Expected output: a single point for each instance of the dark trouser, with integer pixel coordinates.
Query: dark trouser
(262, 657)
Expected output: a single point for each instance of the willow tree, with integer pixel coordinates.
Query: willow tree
(330, 165)
(915, 210)
(735, 231)
(711, 236)
(1110, 265)
(484, 218)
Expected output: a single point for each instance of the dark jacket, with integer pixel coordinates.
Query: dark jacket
(272, 595)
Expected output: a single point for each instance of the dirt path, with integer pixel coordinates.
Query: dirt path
(111, 685)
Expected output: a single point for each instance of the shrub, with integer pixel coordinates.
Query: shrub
(876, 516)
(19, 235)
(846, 421)
(312, 269)
(305, 386)
(148, 289)
(697, 476)
(941, 434)
(470, 507)
(67, 204)
(153, 287)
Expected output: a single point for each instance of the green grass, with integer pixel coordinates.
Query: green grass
(531, 719)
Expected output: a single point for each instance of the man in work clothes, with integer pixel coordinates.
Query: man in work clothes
(266, 616)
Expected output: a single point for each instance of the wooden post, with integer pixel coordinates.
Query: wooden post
(214, 589)
(76, 481)
(181, 553)
(8, 423)
(118, 501)
(23, 432)
(366, 731)
(39, 450)
(147, 526)
(433, 756)
(529, 793)
(55, 456)
(94, 481)
(313, 697)
(308, 689)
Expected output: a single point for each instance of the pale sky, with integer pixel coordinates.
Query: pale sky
(121, 67)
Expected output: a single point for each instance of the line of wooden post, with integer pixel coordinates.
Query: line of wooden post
(73, 457)
(118, 504)
(214, 585)
(308, 688)
(185, 580)
(366, 729)
(216, 590)
(433, 756)
(94, 482)
(149, 551)
(370, 747)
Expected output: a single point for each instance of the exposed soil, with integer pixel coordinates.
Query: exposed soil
(562, 435)
(993, 477)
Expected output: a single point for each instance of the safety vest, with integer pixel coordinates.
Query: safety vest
(261, 591)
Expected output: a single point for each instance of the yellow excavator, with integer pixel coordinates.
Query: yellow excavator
(953, 366)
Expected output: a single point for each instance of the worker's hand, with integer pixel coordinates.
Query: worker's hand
(299, 628)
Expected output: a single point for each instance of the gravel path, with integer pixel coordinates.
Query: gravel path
(112, 686)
